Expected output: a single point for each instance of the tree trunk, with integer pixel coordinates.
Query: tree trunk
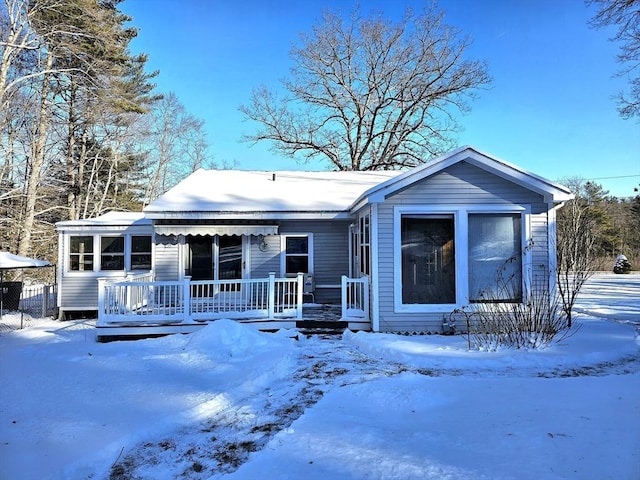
(37, 160)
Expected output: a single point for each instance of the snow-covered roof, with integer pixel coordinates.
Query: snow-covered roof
(108, 219)
(237, 191)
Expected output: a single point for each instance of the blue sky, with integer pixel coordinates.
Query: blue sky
(549, 109)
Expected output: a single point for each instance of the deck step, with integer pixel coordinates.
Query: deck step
(322, 326)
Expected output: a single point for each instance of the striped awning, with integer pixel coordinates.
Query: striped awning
(216, 229)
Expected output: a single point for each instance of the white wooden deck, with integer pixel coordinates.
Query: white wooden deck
(140, 306)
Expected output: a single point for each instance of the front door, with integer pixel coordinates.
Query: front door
(200, 257)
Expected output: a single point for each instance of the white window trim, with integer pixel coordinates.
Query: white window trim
(126, 259)
(97, 254)
(363, 224)
(283, 250)
(460, 214)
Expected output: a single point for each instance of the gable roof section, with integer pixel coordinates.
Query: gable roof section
(215, 193)
(553, 193)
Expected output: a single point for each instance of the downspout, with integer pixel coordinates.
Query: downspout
(552, 250)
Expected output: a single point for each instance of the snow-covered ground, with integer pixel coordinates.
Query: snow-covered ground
(229, 402)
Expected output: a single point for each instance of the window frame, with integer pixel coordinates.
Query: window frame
(364, 245)
(129, 257)
(96, 255)
(460, 215)
(436, 262)
(115, 254)
(502, 262)
(284, 255)
(91, 254)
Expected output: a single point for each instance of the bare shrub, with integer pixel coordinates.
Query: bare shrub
(535, 322)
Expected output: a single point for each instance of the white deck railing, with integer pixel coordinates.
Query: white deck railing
(140, 300)
(355, 298)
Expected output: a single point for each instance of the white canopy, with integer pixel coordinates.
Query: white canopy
(10, 261)
(217, 229)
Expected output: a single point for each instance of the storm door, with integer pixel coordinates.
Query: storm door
(230, 262)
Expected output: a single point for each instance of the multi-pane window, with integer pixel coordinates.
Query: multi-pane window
(81, 253)
(364, 244)
(140, 252)
(495, 257)
(296, 254)
(428, 259)
(111, 253)
(116, 252)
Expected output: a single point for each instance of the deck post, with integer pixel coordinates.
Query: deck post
(300, 295)
(101, 293)
(186, 300)
(45, 300)
(343, 296)
(271, 306)
(365, 297)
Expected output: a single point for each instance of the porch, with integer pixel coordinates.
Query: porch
(140, 306)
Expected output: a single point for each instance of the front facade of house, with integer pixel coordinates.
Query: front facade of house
(463, 228)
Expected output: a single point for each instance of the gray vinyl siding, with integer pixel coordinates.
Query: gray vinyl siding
(460, 184)
(166, 258)
(464, 183)
(540, 250)
(330, 254)
(78, 291)
(267, 261)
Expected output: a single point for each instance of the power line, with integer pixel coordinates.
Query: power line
(609, 178)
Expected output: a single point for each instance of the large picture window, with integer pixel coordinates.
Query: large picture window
(449, 258)
(495, 257)
(428, 259)
(81, 253)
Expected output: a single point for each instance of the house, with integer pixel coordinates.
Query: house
(399, 251)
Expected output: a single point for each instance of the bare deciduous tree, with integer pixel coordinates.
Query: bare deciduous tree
(625, 16)
(370, 94)
(577, 244)
(176, 146)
